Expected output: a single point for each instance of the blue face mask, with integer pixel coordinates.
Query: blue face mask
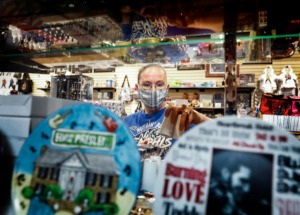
(153, 99)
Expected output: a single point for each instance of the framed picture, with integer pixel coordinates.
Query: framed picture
(247, 80)
(191, 67)
(215, 70)
(110, 69)
(218, 70)
(244, 100)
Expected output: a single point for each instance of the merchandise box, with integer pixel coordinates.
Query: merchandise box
(31, 106)
(218, 100)
(206, 100)
(18, 126)
(16, 130)
(15, 145)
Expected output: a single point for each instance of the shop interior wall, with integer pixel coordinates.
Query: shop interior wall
(193, 76)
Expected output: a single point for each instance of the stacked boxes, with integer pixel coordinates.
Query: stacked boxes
(20, 114)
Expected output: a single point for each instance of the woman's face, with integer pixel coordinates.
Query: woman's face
(154, 76)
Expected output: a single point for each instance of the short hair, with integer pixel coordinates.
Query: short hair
(141, 70)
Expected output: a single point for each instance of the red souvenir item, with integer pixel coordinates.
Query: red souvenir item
(275, 105)
(110, 124)
(295, 105)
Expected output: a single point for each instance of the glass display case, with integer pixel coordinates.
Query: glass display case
(173, 50)
(136, 32)
(73, 87)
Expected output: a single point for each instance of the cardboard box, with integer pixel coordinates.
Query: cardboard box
(218, 100)
(18, 126)
(15, 145)
(206, 100)
(20, 114)
(31, 106)
(16, 130)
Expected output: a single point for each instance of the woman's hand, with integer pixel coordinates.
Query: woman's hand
(188, 116)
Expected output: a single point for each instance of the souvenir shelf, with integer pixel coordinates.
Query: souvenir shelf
(201, 89)
(105, 89)
(210, 111)
(205, 88)
(43, 88)
(213, 110)
(105, 92)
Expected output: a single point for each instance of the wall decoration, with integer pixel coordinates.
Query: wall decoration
(110, 69)
(247, 80)
(215, 70)
(191, 67)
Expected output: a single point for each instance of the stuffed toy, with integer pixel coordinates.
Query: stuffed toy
(195, 102)
(268, 80)
(185, 96)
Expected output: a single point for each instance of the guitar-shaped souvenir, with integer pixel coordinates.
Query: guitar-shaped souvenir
(57, 120)
(110, 124)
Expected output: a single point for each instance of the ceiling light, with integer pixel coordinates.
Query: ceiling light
(71, 3)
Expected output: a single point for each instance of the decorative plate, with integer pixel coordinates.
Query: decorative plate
(81, 159)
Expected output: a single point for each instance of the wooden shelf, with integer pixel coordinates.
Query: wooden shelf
(195, 88)
(209, 88)
(214, 108)
(43, 88)
(296, 133)
(246, 88)
(104, 88)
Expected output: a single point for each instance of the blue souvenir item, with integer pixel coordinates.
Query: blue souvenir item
(81, 159)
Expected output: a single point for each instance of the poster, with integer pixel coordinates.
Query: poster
(243, 104)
